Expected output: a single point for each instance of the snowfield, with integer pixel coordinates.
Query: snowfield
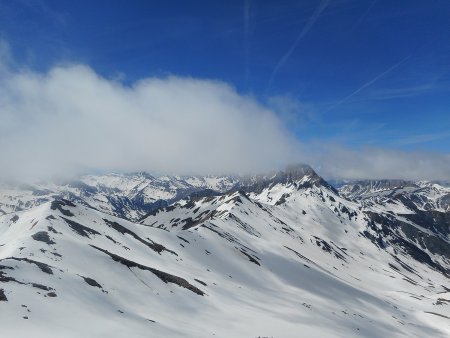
(278, 256)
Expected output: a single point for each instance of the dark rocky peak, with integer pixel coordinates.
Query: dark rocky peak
(300, 175)
(196, 195)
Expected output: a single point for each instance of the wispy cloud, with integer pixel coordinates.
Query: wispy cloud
(367, 84)
(6, 60)
(422, 138)
(310, 23)
(293, 112)
(41, 6)
(335, 161)
(395, 93)
(364, 15)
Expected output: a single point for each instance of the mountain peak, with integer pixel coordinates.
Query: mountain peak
(302, 175)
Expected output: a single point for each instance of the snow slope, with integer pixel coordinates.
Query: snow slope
(286, 256)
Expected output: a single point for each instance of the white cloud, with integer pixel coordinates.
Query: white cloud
(334, 161)
(71, 120)
(293, 112)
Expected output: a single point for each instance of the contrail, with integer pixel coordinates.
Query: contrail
(367, 84)
(312, 20)
(362, 17)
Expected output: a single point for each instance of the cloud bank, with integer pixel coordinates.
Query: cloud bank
(71, 120)
(337, 162)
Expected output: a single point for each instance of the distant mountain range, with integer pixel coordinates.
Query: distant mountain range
(285, 254)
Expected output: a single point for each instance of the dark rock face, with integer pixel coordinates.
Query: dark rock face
(204, 193)
(44, 267)
(164, 276)
(439, 225)
(92, 282)
(201, 282)
(42, 236)
(122, 204)
(41, 287)
(152, 245)
(58, 205)
(407, 238)
(435, 221)
(80, 229)
(3, 296)
(421, 233)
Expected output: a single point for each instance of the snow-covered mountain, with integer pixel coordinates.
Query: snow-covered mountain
(421, 195)
(129, 196)
(277, 255)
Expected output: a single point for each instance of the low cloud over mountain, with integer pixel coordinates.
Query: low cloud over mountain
(70, 120)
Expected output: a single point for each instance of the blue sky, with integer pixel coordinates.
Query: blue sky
(356, 73)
